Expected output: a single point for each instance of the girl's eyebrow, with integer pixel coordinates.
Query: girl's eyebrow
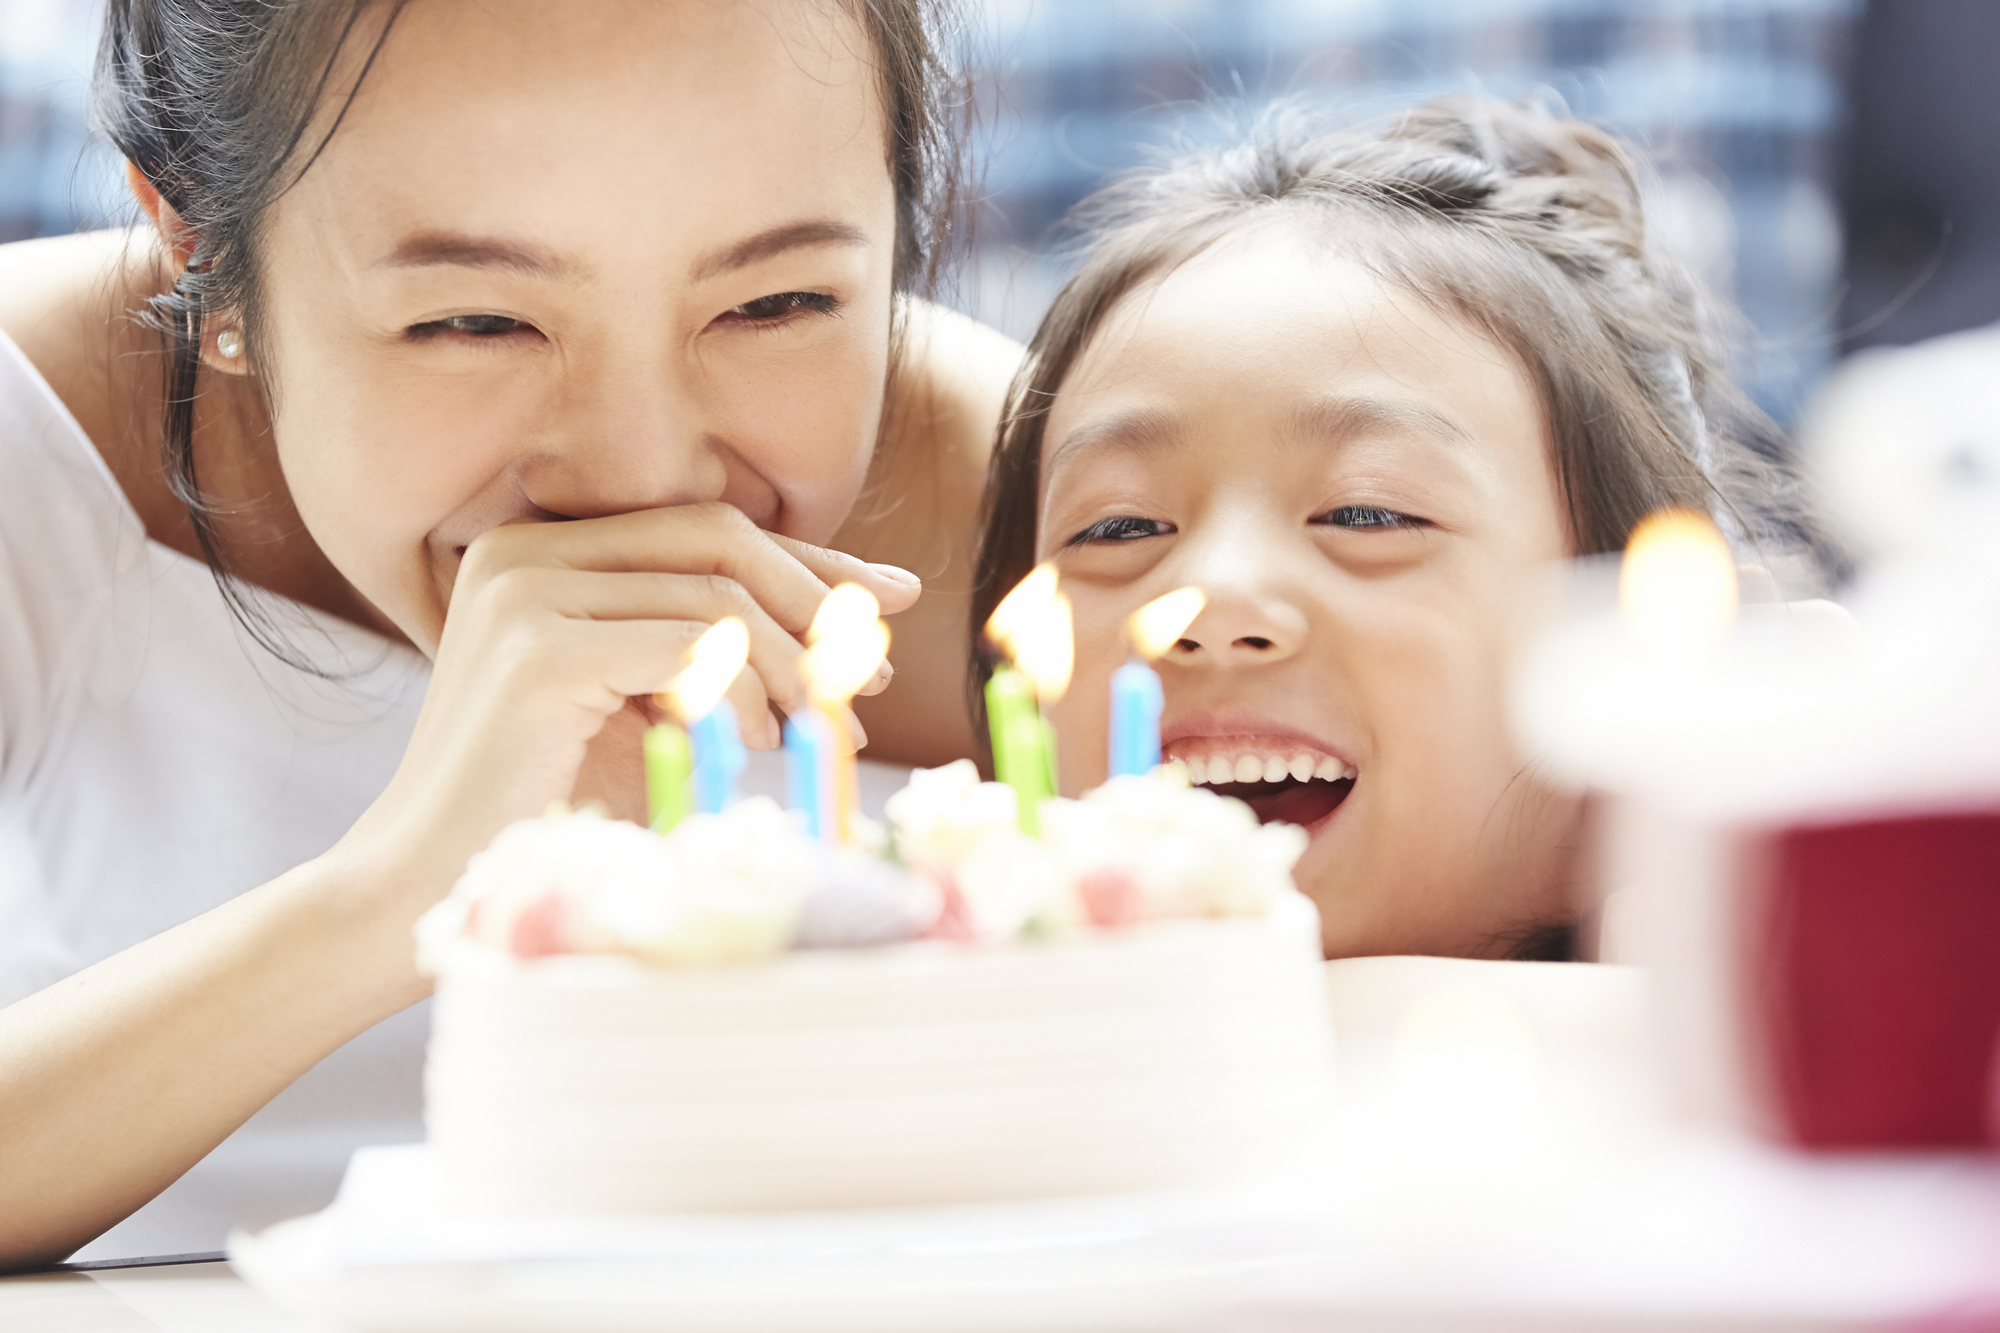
(1337, 419)
(1137, 430)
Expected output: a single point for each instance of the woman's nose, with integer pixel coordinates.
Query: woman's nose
(625, 435)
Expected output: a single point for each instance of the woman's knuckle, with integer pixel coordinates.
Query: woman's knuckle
(726, 596)
(729, 521)
(510, 591)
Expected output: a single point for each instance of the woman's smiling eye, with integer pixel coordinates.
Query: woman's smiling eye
(1122, 529)
(782, 305)
(472, 326)
(1367, 517)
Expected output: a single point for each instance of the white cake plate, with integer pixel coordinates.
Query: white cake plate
(389, 1257)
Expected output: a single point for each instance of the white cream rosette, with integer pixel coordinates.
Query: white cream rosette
(944, 812)
(1190, 852)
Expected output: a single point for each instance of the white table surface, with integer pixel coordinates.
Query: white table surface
(1506, 1167)
(177, 1298)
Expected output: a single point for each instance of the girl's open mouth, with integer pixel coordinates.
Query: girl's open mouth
(1289, 801)
(1283, 778)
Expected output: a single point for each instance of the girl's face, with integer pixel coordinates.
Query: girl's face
(563, 261)
(1360, 484)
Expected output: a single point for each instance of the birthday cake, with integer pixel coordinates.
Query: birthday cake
(736, 1016)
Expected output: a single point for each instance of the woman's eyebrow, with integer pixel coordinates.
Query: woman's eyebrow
(1136, 430)
(1336, 419)
(428, 249)
(776, 241)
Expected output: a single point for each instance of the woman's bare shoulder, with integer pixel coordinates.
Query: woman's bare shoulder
(921, 512)
(954, 378)
(62, 299)
(54, 287)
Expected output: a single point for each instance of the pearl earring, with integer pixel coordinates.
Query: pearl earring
(230, 343)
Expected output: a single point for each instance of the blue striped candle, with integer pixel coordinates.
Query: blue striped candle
(1136, 702)
(718, 757)
(809, 773)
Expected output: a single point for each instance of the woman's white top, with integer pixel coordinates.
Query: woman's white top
(155, 763)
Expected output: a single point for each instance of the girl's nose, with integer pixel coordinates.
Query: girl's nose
(1242, 627)
(1256, 612)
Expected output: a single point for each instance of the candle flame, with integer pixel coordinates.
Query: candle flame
(1677, 586)
(714, 661)
(849, 642)
(1159, 624)
(1032, 625)
(847, 609)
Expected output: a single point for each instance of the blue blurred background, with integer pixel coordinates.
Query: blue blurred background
(1737, 103)
(1774, 127)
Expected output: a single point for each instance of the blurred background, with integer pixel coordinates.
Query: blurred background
(1831, 166)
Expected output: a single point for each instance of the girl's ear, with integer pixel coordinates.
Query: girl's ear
(222, 341)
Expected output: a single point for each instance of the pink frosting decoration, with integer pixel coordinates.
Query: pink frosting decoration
(539, 929)
(1111, 897)
(954, 920)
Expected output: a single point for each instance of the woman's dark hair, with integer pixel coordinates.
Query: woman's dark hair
(1528, 227)
(215, 103)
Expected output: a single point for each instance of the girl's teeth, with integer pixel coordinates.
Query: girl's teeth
(1216, 769)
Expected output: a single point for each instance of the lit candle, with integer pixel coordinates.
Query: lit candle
(1021, 751)
(1801, 818)
(809, 771)
(1136, 696)
(718, 757)
(1032, 625)
(669, 776)
(706, 778)
(846, 645)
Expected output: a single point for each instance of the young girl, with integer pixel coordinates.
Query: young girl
(1356, 387)
(493, 348)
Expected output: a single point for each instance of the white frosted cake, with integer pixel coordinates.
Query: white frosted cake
(734, 1017)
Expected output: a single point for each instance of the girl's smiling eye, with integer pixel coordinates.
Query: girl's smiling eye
(782, 306)
(1368, 518)
(476, 327)
(1124, 528)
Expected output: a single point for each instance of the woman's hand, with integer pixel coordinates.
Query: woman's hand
(554, 628)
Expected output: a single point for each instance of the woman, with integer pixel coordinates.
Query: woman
(534, 338)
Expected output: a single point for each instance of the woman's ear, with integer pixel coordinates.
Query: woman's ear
(176, 237)
(222, 347)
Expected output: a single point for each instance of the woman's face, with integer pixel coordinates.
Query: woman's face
(562, 261)
(1360, 484)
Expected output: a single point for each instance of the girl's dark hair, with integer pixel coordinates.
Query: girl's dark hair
(1528, 227)
(215, 103)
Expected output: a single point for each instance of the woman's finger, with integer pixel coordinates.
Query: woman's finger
(895, 588)
(691, 539)
(582, 594)
(753, 712)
